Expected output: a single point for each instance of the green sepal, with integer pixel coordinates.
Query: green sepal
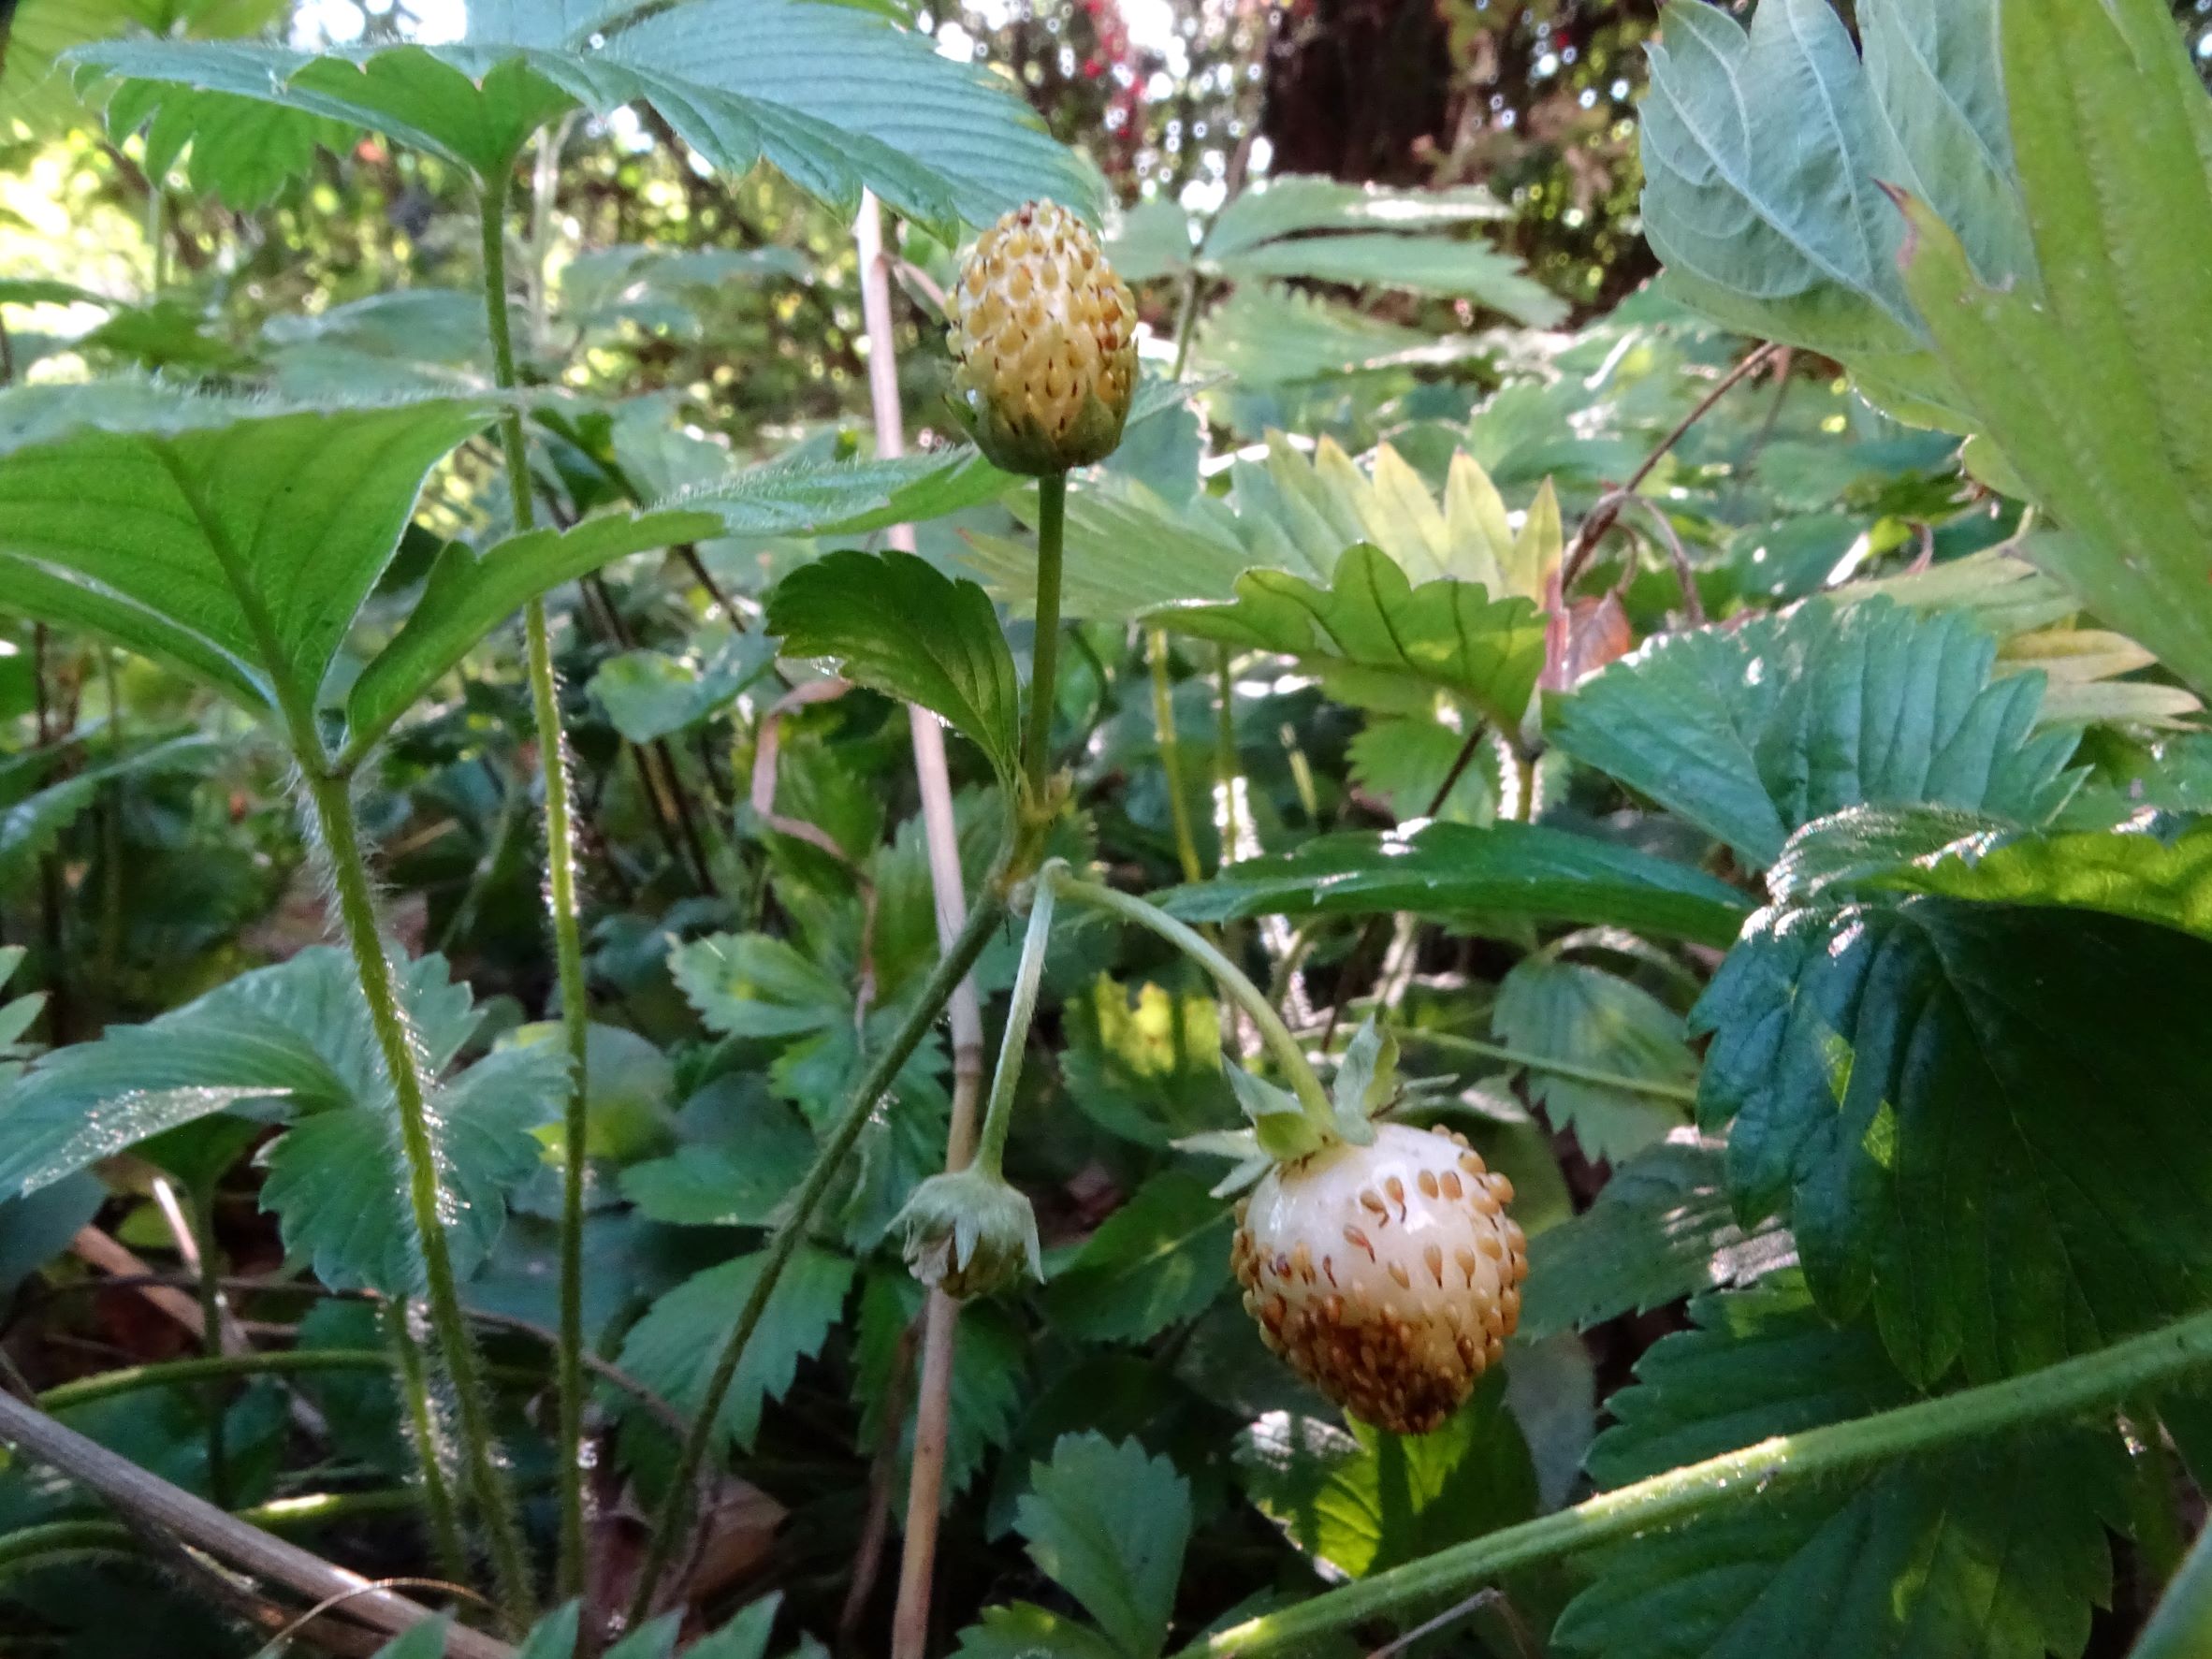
(969, 1233)
(1280, 1121)
(1366, 1082)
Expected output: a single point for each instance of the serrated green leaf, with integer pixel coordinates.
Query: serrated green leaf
(2135, 872)
(1661, 1228)
(1421, 265)
(2074, 378)
(1161, 1258)
(1981, 1550)
(795, 498)
(1022, 1631)
(896, 625)
(1914, 1083)
(1587, 1017)
(1763, 152)
(649, 694)
(30, 824)
(834, 96)
(1108, 1524)
(1377, 640)
(1751, 732)
(1448, 869)
(1361, 1500)
(469, 594)
(1404, 762)
(338, 1180)
(672, 1349)
(1147, 1068)
(1266, 335)
(743, 1184)
(249, 542)
(990, 1364)
(748, 984)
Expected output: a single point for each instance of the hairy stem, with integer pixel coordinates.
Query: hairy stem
(1248, 996)
(208, 1272)
(1755, 1474)
(440, 1512)
(1052, 519)
(171, 1512)
(675, 1506)
(1171, 753)
(560, 899)
(488, 1482)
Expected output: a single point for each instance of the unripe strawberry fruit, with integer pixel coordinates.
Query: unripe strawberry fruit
(1388, 1276)
(1044, 344)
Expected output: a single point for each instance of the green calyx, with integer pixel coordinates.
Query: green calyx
(969, 1232)
(1015, 441)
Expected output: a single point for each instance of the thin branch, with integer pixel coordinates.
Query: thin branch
(932, 1403)
(1600, 518)
(194, 1520)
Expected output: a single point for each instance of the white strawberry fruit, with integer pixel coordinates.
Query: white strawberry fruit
(1388, 1275)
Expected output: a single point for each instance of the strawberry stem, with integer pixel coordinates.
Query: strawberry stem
(998, 1114)
(1232, 979)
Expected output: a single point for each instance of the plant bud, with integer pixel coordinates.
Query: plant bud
(969, 1233)
(1044, 344)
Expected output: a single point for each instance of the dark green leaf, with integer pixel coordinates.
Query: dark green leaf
(1661, 1228)
(893, 623)
(649, 695)
(1980, 1118)
(426, 1641)
(1982, 1550)
(554, 1637)
(1449, 869)
(990, 1364)
(469, 594)
(1024, 1632)
(1149, 1069)
(748, 984)
(1362, 1500)
(672, 1350)
(1108, 1524)
(248, 542)
(1751, 732)
(1159, 1259)
(1586, 1017)
(30, 825)
(1377, 640)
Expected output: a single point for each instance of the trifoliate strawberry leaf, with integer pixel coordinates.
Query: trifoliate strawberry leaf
(1661, 1229)
(1983, 1549)
(1160, 1259)
(1108, 1524)
(236, 544)
(1596, 1022)
(1751, 731)
(892, 622)
(672, 1350)
(1359, 1500)
(1452, 869)
(1979, 1119)
(1377, 640)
